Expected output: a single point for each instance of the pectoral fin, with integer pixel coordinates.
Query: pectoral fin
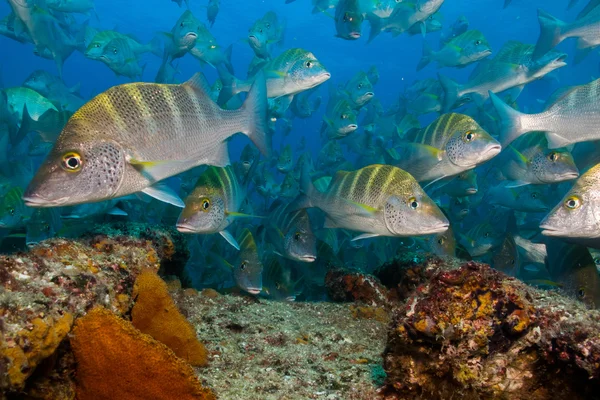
(164, 193)
(230, 239)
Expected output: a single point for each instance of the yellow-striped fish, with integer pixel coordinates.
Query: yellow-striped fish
(213, 204)
(248, 269)
(378, 200)
(131, 136)
(451, 144)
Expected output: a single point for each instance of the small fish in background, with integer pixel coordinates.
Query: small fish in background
(248, 268)
(467, 48)
(359, 90)
(340, 118)
(521, 198)
(212, 10)
(95, 48)
(433, 23)
(281, 280)
(179, 2)
(481, 239)
(285, 160)
(183, 36)
(43, 224)
(573, 267)
(460, 26)
(265, 34)
(13, 212)
(293, 71)
(289, 188)
(119, 57)
(303, 106)
(506, 258)
(55, 90)
(348, 19)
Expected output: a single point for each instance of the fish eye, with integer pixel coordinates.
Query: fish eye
(243, 265)
(553, 156)
(573, 202)
(297, 236)
(534, 195)
(268, 25)
(96, 45)
(468, 136)
(278, 286)
(46, 227)
(360, 85)
(308, 64)
(11, 211)
(344, 116)
(581, 293)
(71, 162)
(441, 241)
(413, 203)
(487, 234)
(477, 42)
(597, 260)
(260, 30)
(181, 25)
(213, 46)
(205, 204)
(115, 51)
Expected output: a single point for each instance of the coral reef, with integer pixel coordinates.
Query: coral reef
(344, 285)
(44, 290)
(147, 369)
(155, 314)
(472, 332)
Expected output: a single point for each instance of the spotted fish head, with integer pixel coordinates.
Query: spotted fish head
(77, 172)
(554, 166)
(301, 245)
(204, 212)
(470, 145)
(307, 72)
(413, 214)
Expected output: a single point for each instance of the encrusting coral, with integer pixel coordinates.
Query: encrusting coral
(155, 314)
(116, 361)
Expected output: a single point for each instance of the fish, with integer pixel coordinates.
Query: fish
(481, 239)
(19, 98)
(451, 144)
(348, 19)
(463, 184)
(432, 23)
(562, 120)
(553, 31)
(212, 10)
(377, 200)
(467, 48)
(510, 69)
(459, 27)
(575, 217)
(529, 161)
(248, 269)
(340, 118)
(303, 106)
(285, 161)
(214, 204)
(359, 90)
(55, 90)
(373, 75)
(265, 34)
(95, 48)
(573, 267)
(119, 57)
(43, 224)
(506, 258)
(72, 6)
(280, 280)
(522, 198)
(13, 212)
(291, 233)
(133, 120)
(289, 188)
(292, 72)
(183, 36)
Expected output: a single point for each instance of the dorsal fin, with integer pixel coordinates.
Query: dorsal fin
(199, 83)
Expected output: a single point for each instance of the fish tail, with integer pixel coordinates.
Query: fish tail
(255, 107)
(229, 88)
(550, 34)
(155, 47)
(511, 121)
(227, 62)
(307, 191)
(376, 26)
(451, 90)
(426, 57)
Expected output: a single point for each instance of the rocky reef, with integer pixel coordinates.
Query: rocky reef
(88, 318)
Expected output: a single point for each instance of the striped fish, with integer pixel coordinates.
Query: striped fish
(131, 136)
(378, 200)
(213, 204)
(464, 49)
(291, 233)
(247, 271)
(451, 144)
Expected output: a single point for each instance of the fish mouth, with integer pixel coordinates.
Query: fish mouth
(548, 230)
(354, 35)
(369, 94)
(253, 290)
(307, 258)
(192, 35)
(471, 191)
(569, 176)
(491, 151)
(486, 53)
(443, 227)
(185, 228)
(37, 201)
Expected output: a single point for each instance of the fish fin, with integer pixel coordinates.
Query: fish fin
(116, 211)
(516, 184)
(16, 136)
(200, 85)
(423, 28)
(230, 239)
(426, 57)
(511, 120)
(227, 62)
(230, 85)
(221, 157)
(376, 26)
(365, 236)
(519, 157)
(555, 141)
(75, 89)
(582, 51)
(451, 90)
(329, 223)
(256, 107)
(275, 74)
(436, 180)
(418, 159)
(155, 46)
(164, 193)
(550, 34)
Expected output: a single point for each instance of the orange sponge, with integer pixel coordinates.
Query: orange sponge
(155, 314)
(116, 361)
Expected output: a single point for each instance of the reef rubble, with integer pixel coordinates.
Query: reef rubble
(420, 327)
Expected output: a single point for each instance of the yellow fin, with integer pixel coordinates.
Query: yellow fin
(365, 207)
(241, 215)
